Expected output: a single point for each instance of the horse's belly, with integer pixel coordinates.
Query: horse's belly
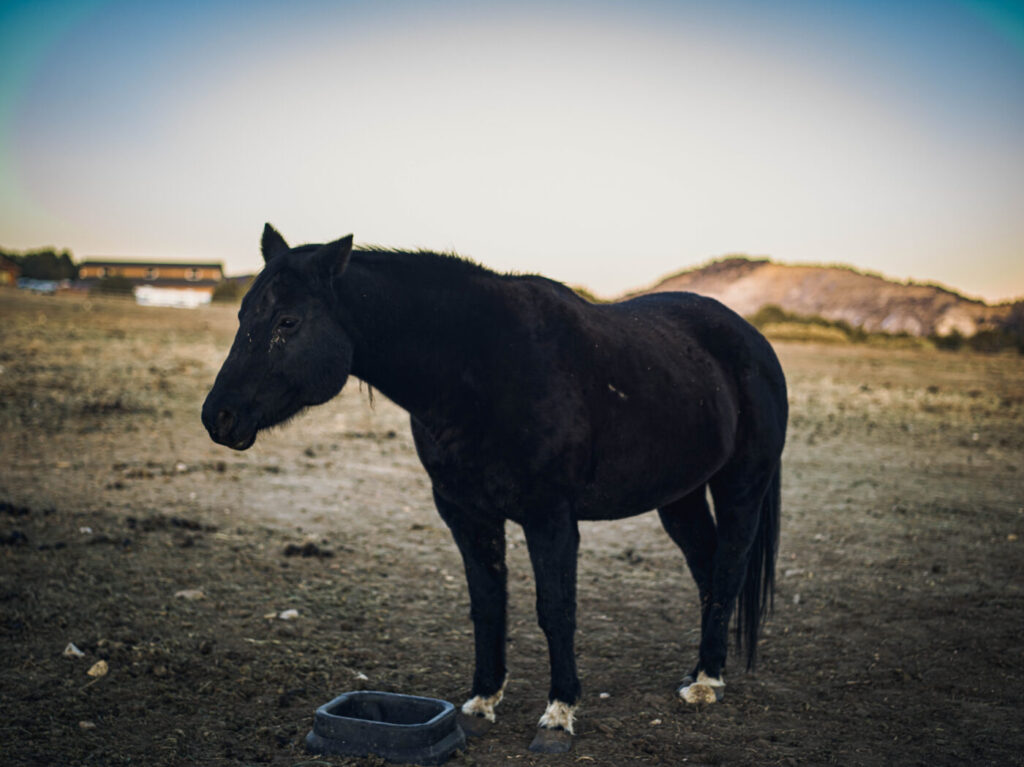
(640, 464)
(614, 495)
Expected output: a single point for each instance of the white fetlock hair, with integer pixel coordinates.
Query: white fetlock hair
(559, 715)
(704, 690)
(481, 706)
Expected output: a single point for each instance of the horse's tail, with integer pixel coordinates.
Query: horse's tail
(757, 596)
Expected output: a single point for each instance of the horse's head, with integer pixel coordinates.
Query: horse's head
(291, 351)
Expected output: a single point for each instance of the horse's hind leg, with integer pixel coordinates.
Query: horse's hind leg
(689, 523)
(482, 545)
(746, 534)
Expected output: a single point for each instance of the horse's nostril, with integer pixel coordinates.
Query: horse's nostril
(225, 420)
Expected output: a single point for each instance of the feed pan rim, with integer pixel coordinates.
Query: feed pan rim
(445, 705)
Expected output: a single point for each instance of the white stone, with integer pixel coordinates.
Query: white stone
(71, 651)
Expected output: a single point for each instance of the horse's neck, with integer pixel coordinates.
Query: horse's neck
(416, 332)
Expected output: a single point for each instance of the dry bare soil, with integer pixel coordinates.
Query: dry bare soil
(896, 637)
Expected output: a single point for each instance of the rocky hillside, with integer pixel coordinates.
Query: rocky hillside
(838, 293)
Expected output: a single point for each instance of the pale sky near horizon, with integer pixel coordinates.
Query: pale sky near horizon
(603, 144)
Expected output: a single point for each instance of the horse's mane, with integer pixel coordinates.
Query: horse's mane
(446, 260)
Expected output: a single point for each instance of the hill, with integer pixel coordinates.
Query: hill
(840, 294)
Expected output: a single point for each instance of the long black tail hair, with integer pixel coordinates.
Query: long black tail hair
(757, 596)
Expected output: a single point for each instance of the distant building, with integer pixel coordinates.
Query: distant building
(9, 272)
(158, 284)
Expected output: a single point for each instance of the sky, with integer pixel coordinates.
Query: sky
(604, 144)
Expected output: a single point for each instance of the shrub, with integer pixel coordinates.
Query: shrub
(230, 290)
(804, 331)
(949, 343)
(45, 265)
(769, 314)
(992, 341)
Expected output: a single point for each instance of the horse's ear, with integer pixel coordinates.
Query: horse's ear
(332, 258)
(272, 244)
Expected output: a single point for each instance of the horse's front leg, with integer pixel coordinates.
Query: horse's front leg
(481, 542)
(553, 542)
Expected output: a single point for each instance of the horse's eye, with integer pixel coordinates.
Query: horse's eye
(288, 323)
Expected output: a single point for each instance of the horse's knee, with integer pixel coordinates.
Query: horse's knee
(554, 621)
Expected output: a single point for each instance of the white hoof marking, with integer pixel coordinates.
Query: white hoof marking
(705, 690)
(559, 715)
(480, 706)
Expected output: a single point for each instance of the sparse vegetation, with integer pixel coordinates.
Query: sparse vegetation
(986, 341)
(775, 321)
(804, 332)
(780, 325)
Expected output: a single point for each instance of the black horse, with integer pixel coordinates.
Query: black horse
(530, 404)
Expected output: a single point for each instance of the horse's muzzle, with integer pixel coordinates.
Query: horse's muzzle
(225, 427)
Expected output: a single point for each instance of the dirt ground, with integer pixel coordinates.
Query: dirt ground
(896, 637)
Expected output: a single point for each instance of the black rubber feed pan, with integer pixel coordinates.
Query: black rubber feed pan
(400, 728)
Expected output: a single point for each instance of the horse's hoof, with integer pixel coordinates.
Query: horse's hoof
(702, 690)
(473, 725)
(551, 741)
